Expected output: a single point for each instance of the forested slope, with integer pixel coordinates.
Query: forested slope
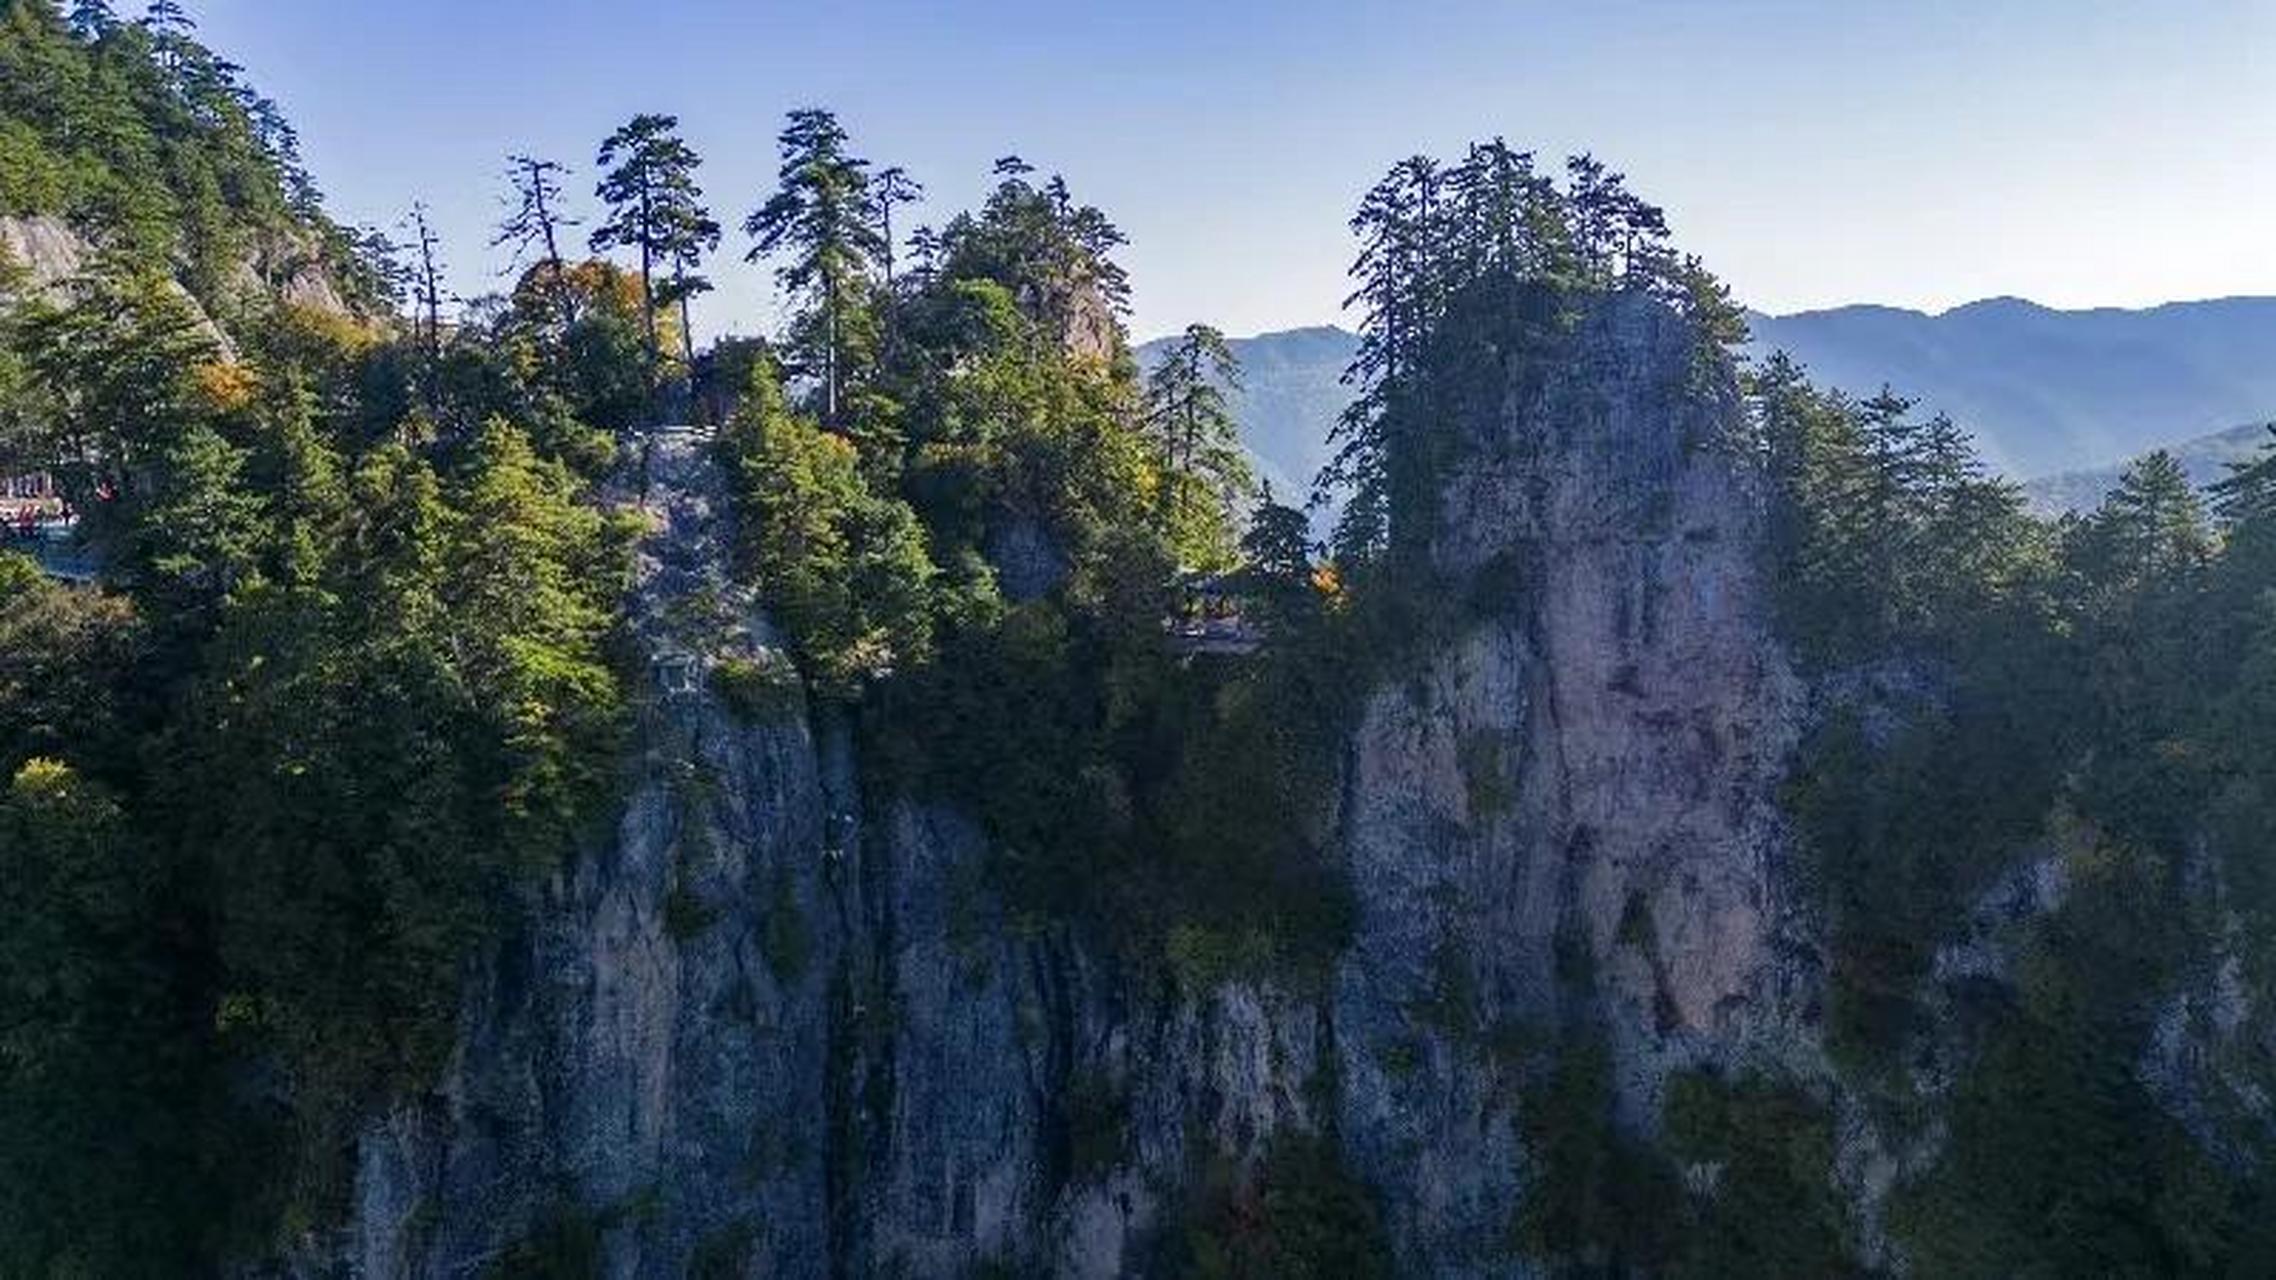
(934, 818)
(149, 148)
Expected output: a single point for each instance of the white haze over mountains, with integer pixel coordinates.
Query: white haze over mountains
(2057, 398)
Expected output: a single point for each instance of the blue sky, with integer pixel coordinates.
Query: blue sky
(1922, 154)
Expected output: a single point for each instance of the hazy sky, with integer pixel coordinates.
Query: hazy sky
(1924, 154)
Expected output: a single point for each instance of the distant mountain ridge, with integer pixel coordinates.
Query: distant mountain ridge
(2206, 459)
(2046, 392)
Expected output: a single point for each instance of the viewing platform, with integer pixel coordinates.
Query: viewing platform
(1209, 619)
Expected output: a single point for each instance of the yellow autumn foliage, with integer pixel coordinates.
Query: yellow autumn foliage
(225, 386)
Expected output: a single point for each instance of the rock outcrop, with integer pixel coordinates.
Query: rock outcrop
(777, 1027)
(48, 252)
(1570, 813)
(767, 1028)
(43, 247)
(644, 1073)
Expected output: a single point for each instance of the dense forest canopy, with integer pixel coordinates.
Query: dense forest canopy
(138, 133)
(354, 680)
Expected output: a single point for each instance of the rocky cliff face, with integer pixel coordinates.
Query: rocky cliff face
(45, 248)
(777, 1027)
(1570, 814)
(647, 1071)
(771, 1030)
(49, 251)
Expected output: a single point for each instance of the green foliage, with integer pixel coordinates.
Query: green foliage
(761, 689)
(2058, 1157)
(64, 655)
(2096, 689)
(1464, 271)
(1297, 1215)
(1774, 1210)
(142, 136)
(1203, 472)
(1899, 836)
(373, 754)
(822, 220)
(103, 1164)
(987, 450)
(1598, 1200)
(341, 710)
(1172, 809)
(1887, 531)
(347, 686)
(568, 353)
(648, 184)
(1055, 256)
(844, 569)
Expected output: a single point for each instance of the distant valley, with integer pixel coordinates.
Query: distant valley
(2060, 399)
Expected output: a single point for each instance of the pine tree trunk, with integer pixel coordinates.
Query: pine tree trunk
(687, 335)
(648, 292)
(560, 280)
(830, 353)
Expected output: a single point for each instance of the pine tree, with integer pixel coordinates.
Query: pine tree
(2247, 495)
(1401, 294)
(926, 248)
(1277, 554)
(1197, 444)
(1507, 216)
(893, 187)
(171, 31)
(427, 297)
(648, 185)
(690, 235)
(93, 1053)
(1620, 239)
(845, 567)
(93, 20)
(1052, 254)
(2150, 531)
(116, 366)
(536, 222)
(820, 219)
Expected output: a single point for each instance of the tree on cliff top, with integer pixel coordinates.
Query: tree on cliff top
(536, 221)
(648, 184)
(822, 220)
(1431, 235)
(1197, 446)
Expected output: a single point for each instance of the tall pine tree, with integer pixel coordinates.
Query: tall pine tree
(1197, 445)
(821, 222)
(648, 184)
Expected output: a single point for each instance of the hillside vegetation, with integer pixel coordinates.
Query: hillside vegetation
(353, 694)
(158, 152)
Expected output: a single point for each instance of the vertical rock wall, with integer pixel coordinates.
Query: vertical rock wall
(769, 1029)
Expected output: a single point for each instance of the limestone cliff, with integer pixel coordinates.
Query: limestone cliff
(778, 1027)
(286, 266)
(1570, 812)
(772, 1029)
